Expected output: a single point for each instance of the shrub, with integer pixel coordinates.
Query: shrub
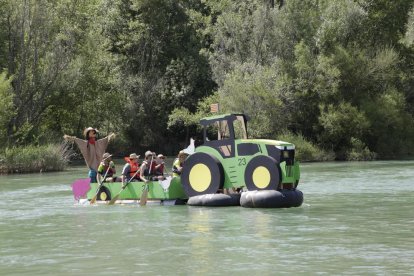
(306, 150)
(28, 159)
(359, 151)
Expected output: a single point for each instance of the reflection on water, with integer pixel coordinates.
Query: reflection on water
(356, 219)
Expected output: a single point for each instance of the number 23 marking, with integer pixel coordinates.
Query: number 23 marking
(242, 161)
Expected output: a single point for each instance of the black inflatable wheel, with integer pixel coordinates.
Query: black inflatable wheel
(104, 194)
(215, 200)
(271, 199)
(262, 173)
(202, 174)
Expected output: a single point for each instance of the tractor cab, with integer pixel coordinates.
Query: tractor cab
(220, 132)
(228, 126)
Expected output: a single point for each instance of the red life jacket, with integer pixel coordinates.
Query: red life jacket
(160, 169)
(153, 165)
(148, 171)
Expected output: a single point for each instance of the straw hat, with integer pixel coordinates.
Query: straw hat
(133, 156)
(86, 131)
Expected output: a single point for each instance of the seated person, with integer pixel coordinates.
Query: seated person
(147, 170)
(159, 165)
(179, 163)
(106, 169)
(130, 171)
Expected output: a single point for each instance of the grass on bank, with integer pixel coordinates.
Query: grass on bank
(47, 158)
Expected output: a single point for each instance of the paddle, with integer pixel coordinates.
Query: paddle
(100, 185)
(144, 196)
(115, 198)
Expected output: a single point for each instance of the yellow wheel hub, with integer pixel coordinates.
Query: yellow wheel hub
(103, 196)
(261, 177)
(200, 177)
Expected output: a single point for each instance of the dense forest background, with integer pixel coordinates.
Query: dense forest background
(333, 74)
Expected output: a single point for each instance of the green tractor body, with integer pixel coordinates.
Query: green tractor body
(229, 160)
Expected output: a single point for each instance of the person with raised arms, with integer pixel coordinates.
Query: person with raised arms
(92, 149)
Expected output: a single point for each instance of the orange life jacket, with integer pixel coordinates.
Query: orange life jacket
(134, 167)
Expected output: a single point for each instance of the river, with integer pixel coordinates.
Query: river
(356, 219)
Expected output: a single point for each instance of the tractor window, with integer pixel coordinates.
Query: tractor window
(211, 132)
(224, 130)
(247, 149)
(239, 128)
(218, 131)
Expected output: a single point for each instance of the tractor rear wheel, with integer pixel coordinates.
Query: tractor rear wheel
(202, 174)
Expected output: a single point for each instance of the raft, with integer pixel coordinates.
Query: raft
(271, 198)
(215, 200)
(166, 192)
(171, 192)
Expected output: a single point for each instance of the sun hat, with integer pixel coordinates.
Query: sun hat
(86, 131)
(161, 156)
(182, 153)
(148, 153)
(133, 156)
(106, 155)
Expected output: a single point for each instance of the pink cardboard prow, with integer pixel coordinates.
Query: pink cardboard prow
(81, 187)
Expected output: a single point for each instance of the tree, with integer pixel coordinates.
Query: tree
(6, 106)
(158, 51)
(58, 64)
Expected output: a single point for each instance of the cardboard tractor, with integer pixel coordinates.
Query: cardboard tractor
(227, 159)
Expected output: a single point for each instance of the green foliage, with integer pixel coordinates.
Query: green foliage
(408, 38)
(392, 127)
(6, 106)
(359, 152)
(342, 23)
(52, 157)
(306, 150)
(340, 73)
(387, 20)
(158, 52)
(340, 123)
(258, 92)
(182, 118)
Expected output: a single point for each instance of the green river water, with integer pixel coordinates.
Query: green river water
(356, 219)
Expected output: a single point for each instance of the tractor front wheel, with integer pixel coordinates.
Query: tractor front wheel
(262, 173)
